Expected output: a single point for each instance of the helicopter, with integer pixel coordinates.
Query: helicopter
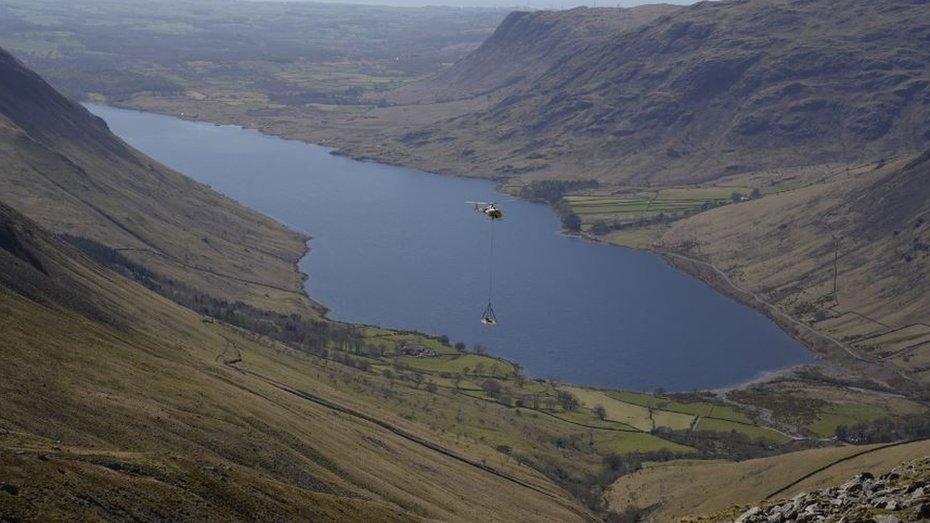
(493, 212)
(489, 209)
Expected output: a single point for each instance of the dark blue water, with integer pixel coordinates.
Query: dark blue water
(398, 247)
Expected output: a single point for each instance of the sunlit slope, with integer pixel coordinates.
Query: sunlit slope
(674, 491)
(120, 403)
(868, 226)
(63, 168)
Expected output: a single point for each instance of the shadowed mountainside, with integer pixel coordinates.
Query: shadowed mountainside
(523, 47)
(704, 91)
(63, 168)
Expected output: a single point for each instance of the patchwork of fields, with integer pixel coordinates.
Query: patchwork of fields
(648, 412)
(641, 207)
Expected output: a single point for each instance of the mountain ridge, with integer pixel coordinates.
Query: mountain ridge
(748, 75)
(694, 94)
(527, 42)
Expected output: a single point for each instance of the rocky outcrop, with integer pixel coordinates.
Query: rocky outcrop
(902, 494)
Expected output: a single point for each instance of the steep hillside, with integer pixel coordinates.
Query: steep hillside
(732, 86)
(63, 168)
(160, 415)
(866, 229)
(704, 91)
(523, 47)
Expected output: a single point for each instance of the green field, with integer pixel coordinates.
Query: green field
(649, 206)
(752, 431)
(844, 414)
(698, 408)
(646, 414)
(625, 442)
(462, 364)
(290, 53)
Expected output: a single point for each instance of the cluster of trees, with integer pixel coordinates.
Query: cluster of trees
(553, 193)
(570, 220)
(591, 488)
(885, 430)
(724, 445)
(313, 335)
(118, 83)
(348, 360)
(563, 400)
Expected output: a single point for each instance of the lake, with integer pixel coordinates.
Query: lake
(399, 248)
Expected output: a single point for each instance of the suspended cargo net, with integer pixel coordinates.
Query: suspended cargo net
(488, 317)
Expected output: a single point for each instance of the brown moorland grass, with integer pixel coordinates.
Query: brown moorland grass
(150, 423)
(677, 491)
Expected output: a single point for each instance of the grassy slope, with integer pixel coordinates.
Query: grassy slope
(63, 168)
(152, 424)
(781, 247)
(126, 373)
(695, 488)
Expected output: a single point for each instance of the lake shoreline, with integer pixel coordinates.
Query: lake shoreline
(806, 343)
